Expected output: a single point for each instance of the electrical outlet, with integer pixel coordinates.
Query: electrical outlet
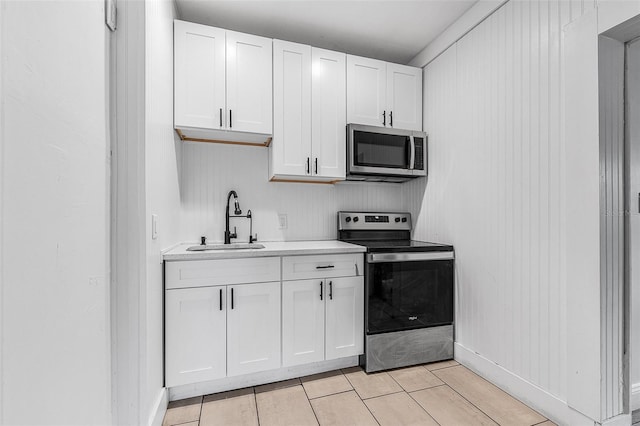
(282, 221)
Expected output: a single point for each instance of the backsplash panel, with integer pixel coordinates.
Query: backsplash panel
(210, 171)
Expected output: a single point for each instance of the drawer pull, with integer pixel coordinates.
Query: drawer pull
(320, 290)
(231, 297)
(325, 267)
(220, 299)
(330, 290)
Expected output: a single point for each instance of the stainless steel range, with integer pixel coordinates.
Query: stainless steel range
(408, 291)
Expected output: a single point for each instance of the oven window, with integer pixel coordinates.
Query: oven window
(378, 150)
(409, 295)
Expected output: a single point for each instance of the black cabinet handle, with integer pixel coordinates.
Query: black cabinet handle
(330, 290)
(220, 117)
(316, 165)
(325, 267)
(231, 297)
(220, 299)
(320, 290)
(384, 118)
(391, 118)
(230, 120)
(308, 165)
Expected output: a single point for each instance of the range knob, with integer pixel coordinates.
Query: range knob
(355, 219)
(348, 219)
(404, 219)
(397, 219)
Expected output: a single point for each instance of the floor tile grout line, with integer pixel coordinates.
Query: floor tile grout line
(255, 400)
(332, 394)
(420, 405)
(474, 405)
(539, 423)
(369, 410)
(200, 413)
(309, 401)
(385, 394)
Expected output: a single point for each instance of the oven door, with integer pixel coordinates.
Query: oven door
(406, 291)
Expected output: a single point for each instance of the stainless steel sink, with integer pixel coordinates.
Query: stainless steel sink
(234, 246)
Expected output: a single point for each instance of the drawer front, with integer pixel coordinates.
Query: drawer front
(322, 266)
(204, 273)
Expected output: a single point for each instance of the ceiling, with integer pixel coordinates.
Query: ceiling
(393, 31)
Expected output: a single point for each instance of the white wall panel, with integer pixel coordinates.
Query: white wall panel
(611, 123)
(633, 122)
(162, 159)
(493, 112)
(210, 171)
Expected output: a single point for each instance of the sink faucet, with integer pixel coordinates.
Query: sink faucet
(228, 235)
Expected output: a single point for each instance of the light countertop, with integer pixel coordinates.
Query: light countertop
(271, 248)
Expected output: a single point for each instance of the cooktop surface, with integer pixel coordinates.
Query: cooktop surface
(400, 246)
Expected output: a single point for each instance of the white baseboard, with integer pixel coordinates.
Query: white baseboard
(635, 396)
(255, 379)
(537, 398)
(621, 420)
(159, 409)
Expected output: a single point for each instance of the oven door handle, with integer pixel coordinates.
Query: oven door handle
(409, 257)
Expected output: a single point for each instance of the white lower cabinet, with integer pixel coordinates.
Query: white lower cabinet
(253, 328)
(195, 335)
(345, 317)
(221, 331)
(322, 319)
(302, 321)
(220, 322)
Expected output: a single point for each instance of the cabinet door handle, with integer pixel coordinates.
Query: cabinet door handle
(320, 290)
(231, 297)
(316, 165)
(220, 299)
(230, 119)
(330, 290)
(325, 267)
(384, 118)
(391, 118)
(220, 117)
(308, 165)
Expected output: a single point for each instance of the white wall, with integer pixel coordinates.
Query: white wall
(54, 221)
(633, 111)
(210, 171)
(162, 156)
(496, 190)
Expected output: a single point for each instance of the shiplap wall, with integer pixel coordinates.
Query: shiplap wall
(493, 112)
(611, 98)
(210, 171)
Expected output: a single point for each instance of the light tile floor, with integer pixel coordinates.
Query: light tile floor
(442, 393)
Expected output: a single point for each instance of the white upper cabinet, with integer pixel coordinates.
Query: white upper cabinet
(366, 91)
(199, 66)
(404, 97)
(222, 85)
(329, 119)
(291, 147)
(249, 85)
(309, 137)
(383, 94)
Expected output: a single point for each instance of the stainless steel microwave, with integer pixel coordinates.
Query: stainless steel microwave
(385, 154)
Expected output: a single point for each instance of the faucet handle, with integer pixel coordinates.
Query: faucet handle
(235, 233)
(253, 239)
(203, 241)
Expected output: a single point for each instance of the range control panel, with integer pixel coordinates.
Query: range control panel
(374, 221)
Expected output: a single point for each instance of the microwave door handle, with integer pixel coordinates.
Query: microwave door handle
(412, 159)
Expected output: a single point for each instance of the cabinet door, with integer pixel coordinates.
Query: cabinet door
(195, 330)
(253, 328)
(302, 322)
(366, 91)
(404, 97)
(199, 75)
(249, 83)
(344, 317)
(291, 145)
(329, 105)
